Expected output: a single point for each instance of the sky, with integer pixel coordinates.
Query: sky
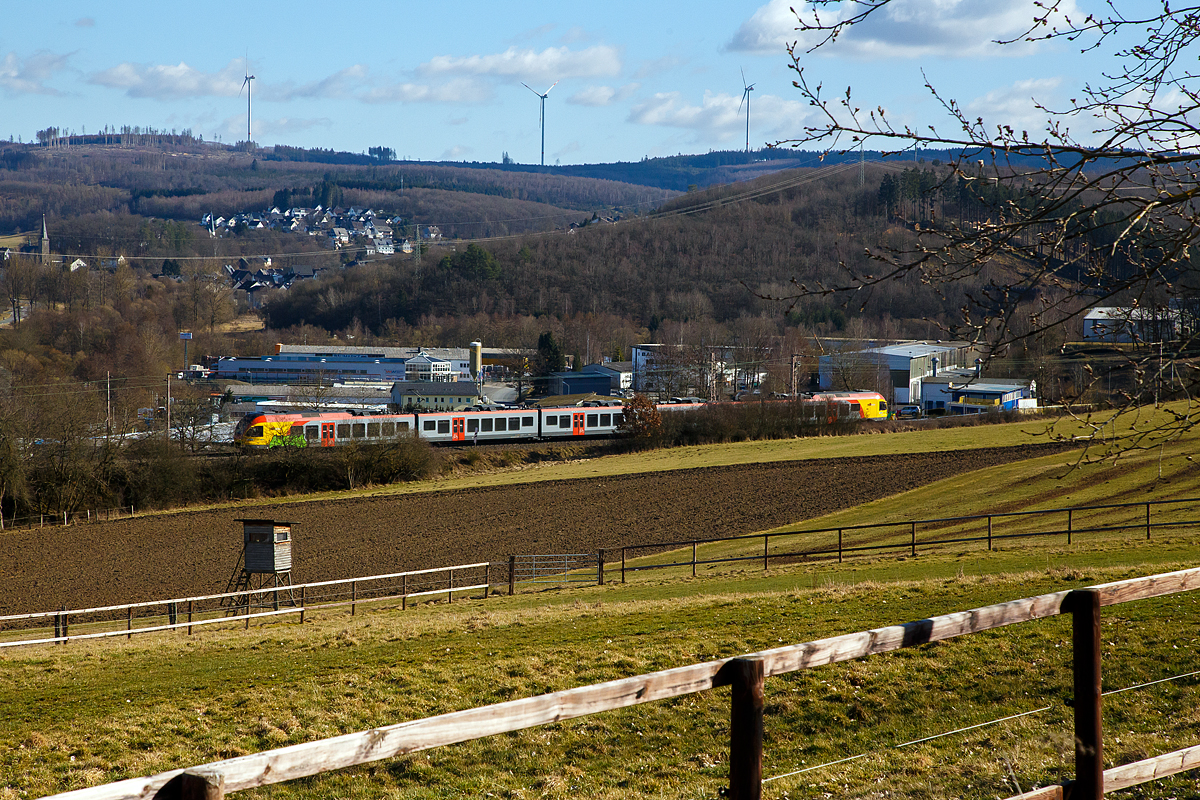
(443, 82)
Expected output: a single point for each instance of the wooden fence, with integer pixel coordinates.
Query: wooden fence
(745, 674)
(911, 536)
(65, 518)
(243, 606)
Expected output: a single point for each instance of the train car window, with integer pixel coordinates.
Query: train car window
(443, 426)
(402, 427)
(605, 420)
(389, 429)
(372, 430)
(526, 422)
(255, 432)
(500, 423)
(430, 425)
(360, 430)
(618, 419)
(552, 422)
(564, 421)
(312, 432)
(485, 425)
(472, 425)
(343, 430)
(593, 420)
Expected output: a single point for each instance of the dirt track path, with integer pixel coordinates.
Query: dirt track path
(175, 555)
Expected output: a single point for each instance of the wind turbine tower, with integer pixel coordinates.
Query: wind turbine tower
(246, 86)
(542, 116)
(746, 90)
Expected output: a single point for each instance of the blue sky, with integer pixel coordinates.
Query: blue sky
(443, 81)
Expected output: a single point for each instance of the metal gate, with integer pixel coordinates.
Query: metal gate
(556, 568)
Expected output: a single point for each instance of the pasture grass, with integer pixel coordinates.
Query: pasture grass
(91, 713)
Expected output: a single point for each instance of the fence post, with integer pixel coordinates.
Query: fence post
(199, 783)
(1070, 514)
(172, 613)
(353, 597)
(1147, 522)
(192, 602)
(746, 729)
(989, 531)
(302, 588)
(404, 592)
(766, 544)
(487, 579)
(1084, 605)
(622, 565)
(247, 611)
(512, 575)
(600, 567)
(914, 538)
(839, 545)
(129, 622)
(450, 588)
(693, 558)
(58, 625)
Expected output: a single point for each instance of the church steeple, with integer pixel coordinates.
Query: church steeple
(45, 243)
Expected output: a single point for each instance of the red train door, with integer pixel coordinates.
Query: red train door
(458, 429)
(326, 434)
(577, 424)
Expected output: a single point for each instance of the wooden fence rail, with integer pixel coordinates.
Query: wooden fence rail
(904, 535)
(747, 673)
(421, 583)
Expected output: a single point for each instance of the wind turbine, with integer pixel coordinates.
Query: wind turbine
(746, 90)
(542, 116)
(246, 86)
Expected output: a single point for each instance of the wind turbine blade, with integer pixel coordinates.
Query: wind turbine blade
(530, 88)
(551, 87)
(743, 76)
(741, 102)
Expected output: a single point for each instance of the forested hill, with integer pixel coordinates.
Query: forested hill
(69, 183)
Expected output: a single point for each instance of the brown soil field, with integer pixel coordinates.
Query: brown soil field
(174, 555)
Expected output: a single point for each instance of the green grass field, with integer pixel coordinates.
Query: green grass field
(90, 713)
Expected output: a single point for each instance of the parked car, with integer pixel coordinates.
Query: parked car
(908, 412)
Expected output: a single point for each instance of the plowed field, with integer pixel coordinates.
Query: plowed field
(174, 555)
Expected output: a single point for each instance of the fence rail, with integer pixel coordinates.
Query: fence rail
(14, 522)
(746, 674)
(243, 606)
(904, 535)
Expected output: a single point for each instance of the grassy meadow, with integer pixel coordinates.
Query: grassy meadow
(90, 713)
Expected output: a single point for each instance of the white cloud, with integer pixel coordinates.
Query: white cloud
(902, 28)
(167, 82)
(1015, 106)
(29, 76)
(602, 95)
(719, 115)
(457, 152)
(551, 64)
(340, 84)
(460, 90)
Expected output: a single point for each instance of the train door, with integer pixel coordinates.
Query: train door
(577, 424)
(458, 429)
(326, 434)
